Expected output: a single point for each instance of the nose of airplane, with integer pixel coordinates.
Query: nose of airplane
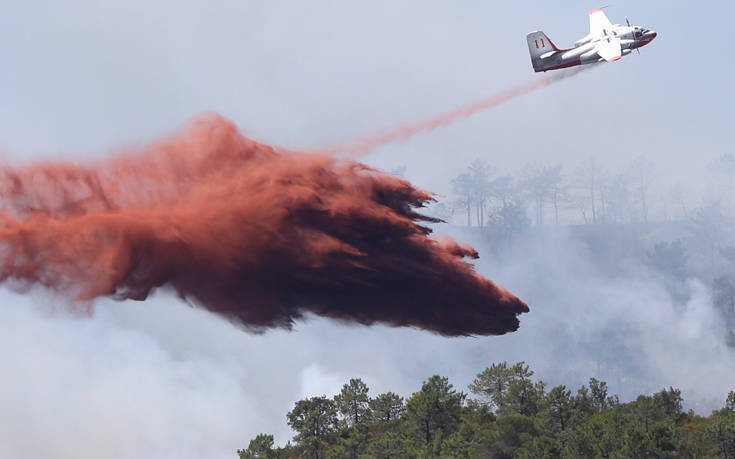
(650, 35)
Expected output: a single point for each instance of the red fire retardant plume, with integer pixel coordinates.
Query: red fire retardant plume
(259, 235)
(364, 145)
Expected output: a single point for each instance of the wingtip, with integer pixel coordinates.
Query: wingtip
(597, 10)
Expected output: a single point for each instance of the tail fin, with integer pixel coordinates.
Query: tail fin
(538, 45)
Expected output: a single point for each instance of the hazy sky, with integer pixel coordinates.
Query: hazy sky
(85, 76)
(80, 78)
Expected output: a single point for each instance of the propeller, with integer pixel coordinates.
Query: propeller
(628, 22)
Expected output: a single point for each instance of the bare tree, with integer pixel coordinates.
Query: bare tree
(507, 222)
(619, 200)
(473, 188)
(587, 177)
(675, 199)
(440, 210)
(709, 233)
(722, 177)
(559, 188)
(543, 184)
(504, 189)
(641, 172)
(462, 187)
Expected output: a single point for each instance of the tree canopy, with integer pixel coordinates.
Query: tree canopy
(510, 415)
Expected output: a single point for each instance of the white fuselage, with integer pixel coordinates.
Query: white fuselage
(587, 49)
(631, 37)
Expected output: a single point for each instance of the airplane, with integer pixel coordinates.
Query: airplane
(605, 42)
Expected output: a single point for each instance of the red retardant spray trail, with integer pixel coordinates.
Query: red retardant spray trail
(259, 235)
(364, 145)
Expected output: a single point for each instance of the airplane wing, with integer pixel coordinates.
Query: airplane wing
(609, 49)
(600, 25)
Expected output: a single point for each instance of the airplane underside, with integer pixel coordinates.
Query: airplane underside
(563, 63)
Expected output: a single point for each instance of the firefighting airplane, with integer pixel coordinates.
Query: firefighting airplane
(605, 42)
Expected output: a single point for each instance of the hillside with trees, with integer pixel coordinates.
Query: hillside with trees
(630, 224)
(506, 414)
(628, 217)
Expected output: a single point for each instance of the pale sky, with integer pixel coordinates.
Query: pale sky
(81, 77)
(159, 379)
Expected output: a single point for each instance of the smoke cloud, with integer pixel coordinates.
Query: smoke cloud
(257, 234)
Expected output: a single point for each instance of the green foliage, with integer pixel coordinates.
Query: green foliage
(598, 396)
(386, 408)
(392, 444)
(351, 443)
(260, 447)
(721, 432)
(545, 446)
(515, 430)
(315, 421)
(493, 384)
(559, 408)
(353, 402)
(513, 417)
(433, 413)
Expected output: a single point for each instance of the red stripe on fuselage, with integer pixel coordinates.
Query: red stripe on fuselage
(562, 66)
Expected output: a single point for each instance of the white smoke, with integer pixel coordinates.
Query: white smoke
(161, 379)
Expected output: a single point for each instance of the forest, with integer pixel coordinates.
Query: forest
(630, 225)
(506, 414)
(675, 231)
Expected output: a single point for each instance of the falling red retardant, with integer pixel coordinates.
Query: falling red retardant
(364, 145)
(260, 235)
